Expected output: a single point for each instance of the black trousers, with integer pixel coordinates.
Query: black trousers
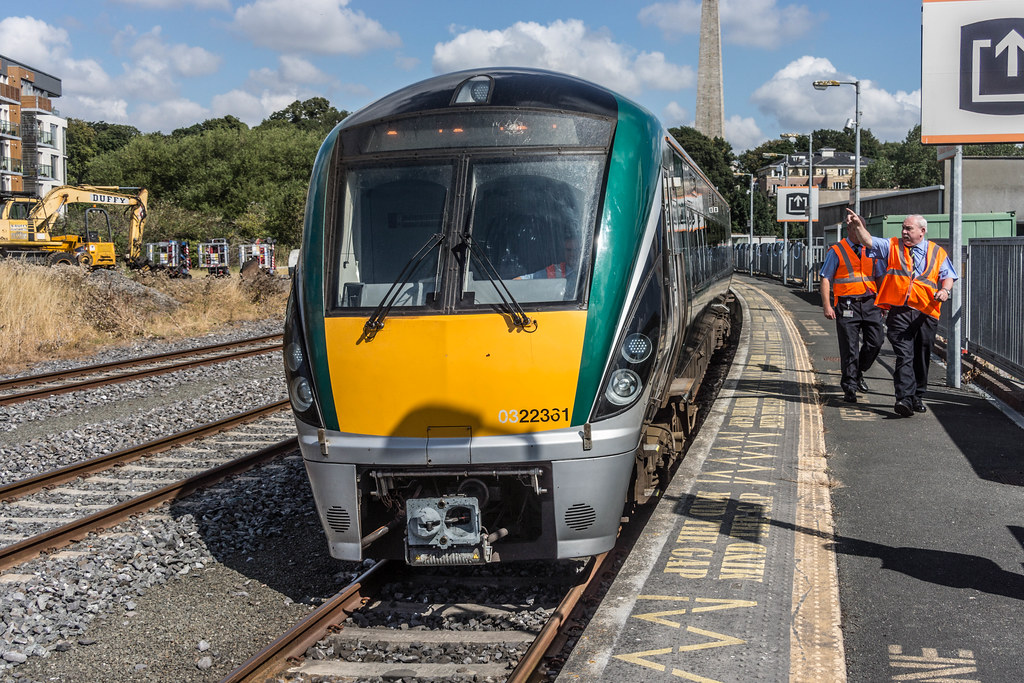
(911, 334)
(859, 328)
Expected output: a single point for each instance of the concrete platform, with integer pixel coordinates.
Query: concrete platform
(808, 539)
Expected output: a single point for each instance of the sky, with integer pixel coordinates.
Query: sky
(159, 65)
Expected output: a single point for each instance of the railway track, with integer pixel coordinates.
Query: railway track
(394, 622)
(20, 389)
(55, 508)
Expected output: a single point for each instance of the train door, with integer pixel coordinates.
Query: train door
(676, 241)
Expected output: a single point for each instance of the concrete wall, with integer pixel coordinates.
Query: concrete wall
(989, 184)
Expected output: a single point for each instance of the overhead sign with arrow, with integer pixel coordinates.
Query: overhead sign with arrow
(972, 71)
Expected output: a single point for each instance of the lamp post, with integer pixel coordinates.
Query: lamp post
(810, 217)
(785, 226)
(750, 221)
(825, 85)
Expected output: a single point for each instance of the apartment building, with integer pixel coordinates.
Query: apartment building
(833, 173)
(33, 135)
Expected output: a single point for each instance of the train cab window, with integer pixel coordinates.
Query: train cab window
(533, 222)
(388, 214)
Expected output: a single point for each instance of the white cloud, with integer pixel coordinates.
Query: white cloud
(169, 114)
(111, 109)
(248, 107)
(34, 42)
(675, 115)
(566, 46)
(755, 23)
(793, 102)
(155, 68)
(320, 26)
(743, 133)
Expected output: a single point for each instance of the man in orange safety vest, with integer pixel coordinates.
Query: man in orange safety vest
(918, 277)
(848, 296)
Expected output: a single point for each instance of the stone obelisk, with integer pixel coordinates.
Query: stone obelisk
(710, 117)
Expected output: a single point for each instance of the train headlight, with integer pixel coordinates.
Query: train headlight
(628, 374)
(297, 371)
(294, 357)
(637, 348)
(301, 394)
(476, 90)
(623, 387)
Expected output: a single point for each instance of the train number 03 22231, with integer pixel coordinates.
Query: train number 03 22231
(533, 415)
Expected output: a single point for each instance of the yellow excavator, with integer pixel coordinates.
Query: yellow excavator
(26, 224)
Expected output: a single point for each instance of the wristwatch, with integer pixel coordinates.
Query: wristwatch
(947, 291)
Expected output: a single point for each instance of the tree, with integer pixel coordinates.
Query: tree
(914, 164)
(81, 140)
(715, 159)
(315, 113)
(225, 122)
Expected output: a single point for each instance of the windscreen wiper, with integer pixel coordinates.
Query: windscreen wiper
(515, 310)
(376, 321)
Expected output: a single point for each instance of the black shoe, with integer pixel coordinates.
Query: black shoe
(904, 408)
(919, 406)
(850, 396)
(862, 386)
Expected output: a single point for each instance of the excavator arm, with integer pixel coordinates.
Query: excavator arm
(44, 214)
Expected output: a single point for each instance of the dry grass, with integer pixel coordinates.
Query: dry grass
(64, 312)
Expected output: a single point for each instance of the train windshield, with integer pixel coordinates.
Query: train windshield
(463, 210)
(391, 212)
(532, 225)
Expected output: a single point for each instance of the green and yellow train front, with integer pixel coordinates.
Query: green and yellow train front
(473, 326)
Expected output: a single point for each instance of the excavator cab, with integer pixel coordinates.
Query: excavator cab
(97, 247)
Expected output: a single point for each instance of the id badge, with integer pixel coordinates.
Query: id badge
(847, 313)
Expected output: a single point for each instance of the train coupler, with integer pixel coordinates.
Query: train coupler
(445, 531)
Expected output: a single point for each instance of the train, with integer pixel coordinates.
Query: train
(509, 287)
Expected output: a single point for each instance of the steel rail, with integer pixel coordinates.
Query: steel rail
(78, 529)
(23, 487)
(14, 382)
(293, 643)
(128, 376)
(531, 659)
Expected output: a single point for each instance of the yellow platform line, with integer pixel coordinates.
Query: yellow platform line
(816, 642)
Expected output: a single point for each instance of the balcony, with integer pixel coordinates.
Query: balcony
(10, 165)
(10, 94)
(37, 103)
(10, 129)
(44, 170)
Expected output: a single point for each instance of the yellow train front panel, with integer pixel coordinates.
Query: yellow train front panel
(461, 371)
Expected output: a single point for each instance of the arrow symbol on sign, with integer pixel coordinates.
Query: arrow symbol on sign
(1011, 44)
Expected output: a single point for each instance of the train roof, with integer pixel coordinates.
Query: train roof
(513, 87)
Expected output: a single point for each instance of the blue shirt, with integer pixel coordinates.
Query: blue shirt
(879, 250)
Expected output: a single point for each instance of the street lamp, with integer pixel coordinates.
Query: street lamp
(810, 216)
(825, 85)
(750, 221)
(785, 226)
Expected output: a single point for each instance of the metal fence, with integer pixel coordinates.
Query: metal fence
(768, 259)
(995, 318)
(992, 298)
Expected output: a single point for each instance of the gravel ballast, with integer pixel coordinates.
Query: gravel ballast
(185, 593)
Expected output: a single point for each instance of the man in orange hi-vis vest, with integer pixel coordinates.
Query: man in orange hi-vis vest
(918, 278)
(848, 296)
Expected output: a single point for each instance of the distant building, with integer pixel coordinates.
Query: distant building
(833, 174)
(33, 135)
